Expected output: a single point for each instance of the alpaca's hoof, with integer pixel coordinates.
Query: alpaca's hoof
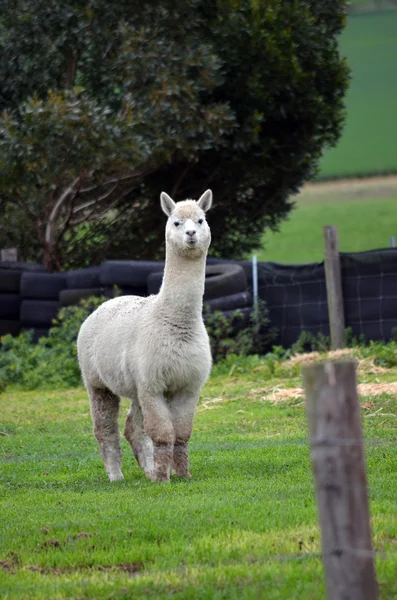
(116, 476)
(184, 475)
(160, 477)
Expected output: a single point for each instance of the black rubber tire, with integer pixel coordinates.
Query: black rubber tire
(10, 280)
(128, 273)
(82, 279)
(232, 302)
(72, 297)
(18, 265)
(111, 292)
(245, 264)
(38, 332)
(9, 306)
(44, 286)
(134, 291)
(224, 280)
(9, 326)
(154, 282)
(38, 313)
(220, 280)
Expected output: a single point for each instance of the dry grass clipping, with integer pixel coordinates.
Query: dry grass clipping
(280, 393)
(366, 365)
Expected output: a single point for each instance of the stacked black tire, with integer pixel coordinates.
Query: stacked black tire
(30, 298)
(81, 284)
(130, 276)
(10, 297)
(40, 300)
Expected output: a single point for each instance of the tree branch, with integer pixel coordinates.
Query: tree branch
(94, 201)
(58, 205)
(93, 216)
(116, 180)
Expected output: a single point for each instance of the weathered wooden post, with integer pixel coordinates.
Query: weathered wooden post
(333, 280)
(340, 480)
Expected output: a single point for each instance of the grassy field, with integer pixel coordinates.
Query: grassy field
(244, 527)
(364, 214)
(369, 141)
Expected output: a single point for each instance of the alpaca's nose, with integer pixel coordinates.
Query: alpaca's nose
(191, 232)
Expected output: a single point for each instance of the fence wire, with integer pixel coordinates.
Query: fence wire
(296, 296)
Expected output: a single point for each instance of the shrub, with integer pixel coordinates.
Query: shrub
(229, 336)
(52, 362)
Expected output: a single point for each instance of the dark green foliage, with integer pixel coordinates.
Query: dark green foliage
(52, 362)
(285, 82)
(240, 96)
(230, 336)
(382, 353)
(126, 90)
(309, 342)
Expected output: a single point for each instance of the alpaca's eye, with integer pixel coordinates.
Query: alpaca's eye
(176, 223)
(200, 221)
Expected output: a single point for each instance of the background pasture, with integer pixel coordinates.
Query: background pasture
(369, 142)
(364, 211)
(244, 527)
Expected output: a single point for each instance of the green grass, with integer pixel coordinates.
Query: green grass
(363, 224)
(244, 527)
(369, 142)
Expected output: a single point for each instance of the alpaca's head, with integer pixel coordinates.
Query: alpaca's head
(187, 231)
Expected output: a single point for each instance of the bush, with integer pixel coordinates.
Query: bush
(229, 336)
(52, 362)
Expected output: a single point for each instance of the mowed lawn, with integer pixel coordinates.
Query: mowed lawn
(363, 224)
(245, 526)
(369, 141)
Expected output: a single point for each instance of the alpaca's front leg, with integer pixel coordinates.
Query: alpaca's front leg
(182, 407)
(158, 426)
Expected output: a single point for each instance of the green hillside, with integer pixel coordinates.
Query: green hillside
(369, 142)
(363, 224)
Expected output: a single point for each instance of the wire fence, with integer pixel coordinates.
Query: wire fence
(296, 296)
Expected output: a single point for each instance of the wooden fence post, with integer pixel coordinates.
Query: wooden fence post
(333, 280)
(341, 487)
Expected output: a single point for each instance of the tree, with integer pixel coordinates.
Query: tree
(106, 104)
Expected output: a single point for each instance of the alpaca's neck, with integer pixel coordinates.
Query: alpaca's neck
(183, 285)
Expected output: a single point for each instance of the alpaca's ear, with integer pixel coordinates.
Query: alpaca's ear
(205, 201)
(167, 203)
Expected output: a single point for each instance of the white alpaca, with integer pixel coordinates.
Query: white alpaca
(154, 351)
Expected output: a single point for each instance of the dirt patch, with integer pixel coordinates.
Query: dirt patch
(365, 187)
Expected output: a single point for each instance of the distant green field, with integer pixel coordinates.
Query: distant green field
(363, 224)
(369, 141)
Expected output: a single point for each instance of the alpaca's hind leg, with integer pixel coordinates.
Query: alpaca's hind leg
(105, 412)
(140, 442)
(158, 426)
(182, 408)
